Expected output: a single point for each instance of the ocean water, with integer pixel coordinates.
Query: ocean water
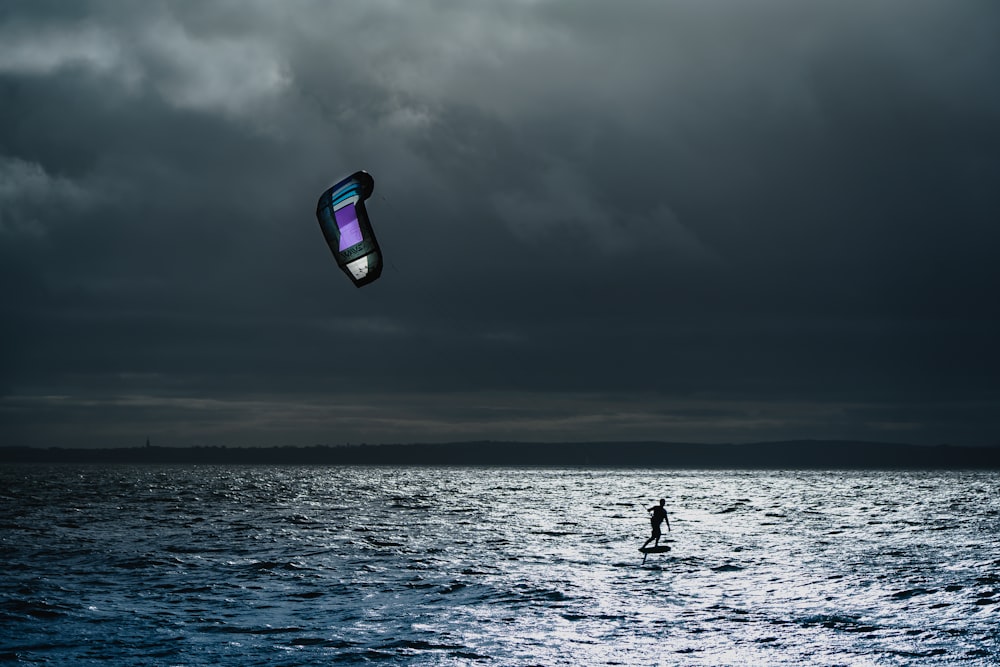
(231, 565)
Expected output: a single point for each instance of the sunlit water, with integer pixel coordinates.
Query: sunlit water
(330, 565)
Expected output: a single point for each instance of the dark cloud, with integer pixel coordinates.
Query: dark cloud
(602, 221)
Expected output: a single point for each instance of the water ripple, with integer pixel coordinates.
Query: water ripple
(205, 565)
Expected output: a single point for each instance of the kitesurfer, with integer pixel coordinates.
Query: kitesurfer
(658, 516)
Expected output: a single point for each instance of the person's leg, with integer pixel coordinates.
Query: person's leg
(654, 536)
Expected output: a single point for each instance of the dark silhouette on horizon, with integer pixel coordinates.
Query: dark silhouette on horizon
(798, 454)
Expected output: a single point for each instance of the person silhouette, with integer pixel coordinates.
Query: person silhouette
(658, 516)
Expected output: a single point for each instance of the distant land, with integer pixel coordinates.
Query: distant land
(797, 454)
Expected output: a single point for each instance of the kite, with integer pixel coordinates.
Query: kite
(347, 229)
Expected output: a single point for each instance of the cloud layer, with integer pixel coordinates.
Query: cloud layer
(669, 220)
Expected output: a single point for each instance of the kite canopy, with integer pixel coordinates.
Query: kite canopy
(344, 221)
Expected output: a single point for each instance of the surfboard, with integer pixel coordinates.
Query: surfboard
(663, 548)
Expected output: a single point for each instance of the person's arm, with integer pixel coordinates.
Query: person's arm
(667, 519)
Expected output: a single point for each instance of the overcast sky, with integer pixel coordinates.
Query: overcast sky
(709, 221)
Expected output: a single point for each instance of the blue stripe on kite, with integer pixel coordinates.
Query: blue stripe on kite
(337, 197)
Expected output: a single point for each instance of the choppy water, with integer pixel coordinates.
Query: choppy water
(426, 566)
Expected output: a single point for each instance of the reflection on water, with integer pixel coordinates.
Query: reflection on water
(319, 565)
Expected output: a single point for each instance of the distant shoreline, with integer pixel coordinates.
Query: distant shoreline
(798, 454)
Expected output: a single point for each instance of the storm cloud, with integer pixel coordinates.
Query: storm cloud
(694, 221)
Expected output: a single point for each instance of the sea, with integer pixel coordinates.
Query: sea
(324, 565)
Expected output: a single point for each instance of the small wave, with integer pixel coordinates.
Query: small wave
(911, 592)
(238, 630)
(308, 595)
(321, 642)
(142, 562)
(302, 520)
(192, 589)
(467, 655)
(837, 622)
(381, 543)
(528, 594)
(930, 653)
(35, 609)
(419, 645)
(266, 565)
(727, 568)
(407, 506)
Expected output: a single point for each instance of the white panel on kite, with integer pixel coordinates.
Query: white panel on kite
(359, 268)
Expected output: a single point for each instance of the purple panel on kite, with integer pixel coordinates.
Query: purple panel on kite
(347, 223)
